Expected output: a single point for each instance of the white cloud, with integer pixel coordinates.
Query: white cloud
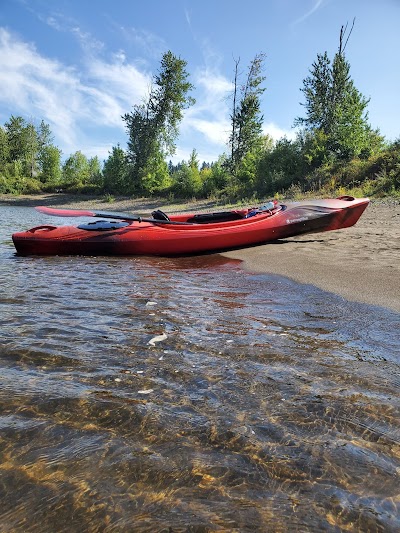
(188, 18)
(316, 5)
(277, 133)
(214, 84)
(53, 22)
(151, 44)
(102, 151)
(210, 115)
(119, 78)
(33, 85)
(213, 131)
(41, 88)
(62, 23)
(83, 104)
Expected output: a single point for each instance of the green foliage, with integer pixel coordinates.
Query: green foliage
(27, 157)
(216, 180)
(280, 167)
(186, 182)
(4, 148)
(17, 138)
(246, 117)
(50, 165)
(115, 171)
(335, 151)
(154, 177)
(314, 147)
(76, 170)
(153, 126)
(335, 110)
(82, 175)
(95, 173)
(186, 179)
(169, 98)
(18, 184)
(109, 198)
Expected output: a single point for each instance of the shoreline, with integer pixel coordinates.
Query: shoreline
(361, 263)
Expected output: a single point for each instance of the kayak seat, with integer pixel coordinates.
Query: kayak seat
(159, 215)
(208, 218)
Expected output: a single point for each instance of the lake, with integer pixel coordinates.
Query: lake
(189, 395)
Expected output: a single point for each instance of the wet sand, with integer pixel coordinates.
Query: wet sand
(361, 263)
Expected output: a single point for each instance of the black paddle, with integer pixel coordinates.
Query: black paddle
(118, 216)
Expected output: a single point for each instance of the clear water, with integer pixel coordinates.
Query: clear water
(148, 394)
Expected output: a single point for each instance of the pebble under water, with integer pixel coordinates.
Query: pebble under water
(188, 395)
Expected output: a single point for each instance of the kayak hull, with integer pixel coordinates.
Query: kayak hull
(156, 238)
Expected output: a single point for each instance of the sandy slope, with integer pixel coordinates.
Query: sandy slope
(361, 263)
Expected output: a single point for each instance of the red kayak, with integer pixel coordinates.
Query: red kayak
(186, 234)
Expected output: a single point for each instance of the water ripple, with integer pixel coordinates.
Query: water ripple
(189, 395)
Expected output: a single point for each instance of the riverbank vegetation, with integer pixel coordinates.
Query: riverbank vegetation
(335, 150)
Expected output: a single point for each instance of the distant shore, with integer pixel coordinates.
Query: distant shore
(361, 263)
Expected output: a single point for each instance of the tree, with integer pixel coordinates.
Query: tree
(17, 138)
(280, 166)
(187, 182)
(32, 148)
(153, 125)
(50, 164)
(335, 109)
(216, 179)
(4, 148)
(76, 170)
(95, 174)
(246, 117)
(115, 171)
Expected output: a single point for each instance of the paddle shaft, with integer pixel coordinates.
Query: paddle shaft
(52, 211)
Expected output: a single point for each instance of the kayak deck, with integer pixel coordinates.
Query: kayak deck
(187, 233)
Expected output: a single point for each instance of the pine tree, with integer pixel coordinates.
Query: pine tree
(246, 115)
(335, 109)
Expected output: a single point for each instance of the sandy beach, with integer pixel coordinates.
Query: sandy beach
(361, 263)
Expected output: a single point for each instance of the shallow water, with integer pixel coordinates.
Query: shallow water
(150, 394)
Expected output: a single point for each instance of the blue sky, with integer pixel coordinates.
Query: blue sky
(80, 65)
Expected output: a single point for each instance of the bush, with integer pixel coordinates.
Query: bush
(19, 185)
(83, 188)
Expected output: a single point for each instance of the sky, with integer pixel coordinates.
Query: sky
(81, 65)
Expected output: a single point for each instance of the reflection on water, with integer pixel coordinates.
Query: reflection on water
(148, 394)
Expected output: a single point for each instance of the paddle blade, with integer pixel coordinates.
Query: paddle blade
(64, 212)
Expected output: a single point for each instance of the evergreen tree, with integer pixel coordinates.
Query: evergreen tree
(335, 109)
(153, 125)
(17, 139)
(246, 118)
